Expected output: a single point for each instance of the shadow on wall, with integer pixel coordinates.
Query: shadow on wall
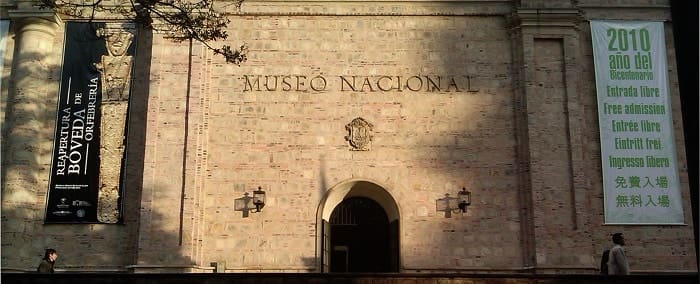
(27, 135)
(27, 147)
(109, 247)
(451, 139)
(469, 142)
(29, 121)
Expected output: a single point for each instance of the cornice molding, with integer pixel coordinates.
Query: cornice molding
(375, 8)
(547, 18)
(22, 14)
(377, 1)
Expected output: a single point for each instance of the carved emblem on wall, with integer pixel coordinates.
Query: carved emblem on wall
(359, 134)
(115, 68)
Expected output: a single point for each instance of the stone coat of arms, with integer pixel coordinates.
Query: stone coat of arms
(359, 134)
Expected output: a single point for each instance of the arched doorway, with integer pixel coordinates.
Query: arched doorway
(359, 237)
(360, 229)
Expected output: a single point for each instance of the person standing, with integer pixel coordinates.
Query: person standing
(617, 262)
(47, 263)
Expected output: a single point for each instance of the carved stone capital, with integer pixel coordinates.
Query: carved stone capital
(38, 20)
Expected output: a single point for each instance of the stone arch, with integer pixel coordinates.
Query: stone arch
(358, 188)
(351, 189)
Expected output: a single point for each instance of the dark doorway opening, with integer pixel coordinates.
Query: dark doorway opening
(361, 237)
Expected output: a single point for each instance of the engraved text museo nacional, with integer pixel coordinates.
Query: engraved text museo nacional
(343, 83)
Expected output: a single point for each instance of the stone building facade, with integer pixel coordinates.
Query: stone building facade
(495, 96)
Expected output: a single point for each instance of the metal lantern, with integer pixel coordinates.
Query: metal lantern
(449, 204)
(465, 199)
(259, 199)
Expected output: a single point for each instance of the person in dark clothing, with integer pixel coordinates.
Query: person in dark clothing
(604, 262)
(46, 265)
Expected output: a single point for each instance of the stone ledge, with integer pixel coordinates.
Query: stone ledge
(283, 278)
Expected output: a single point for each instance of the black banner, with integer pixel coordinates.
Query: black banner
(74, 186)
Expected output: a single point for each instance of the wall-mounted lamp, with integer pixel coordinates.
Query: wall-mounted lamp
(449, 204)
(246, 203)
(465, 199)
(259, 199)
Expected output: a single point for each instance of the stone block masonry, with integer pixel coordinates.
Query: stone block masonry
(494, 96)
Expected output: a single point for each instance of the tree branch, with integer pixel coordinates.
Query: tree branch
(179, 20)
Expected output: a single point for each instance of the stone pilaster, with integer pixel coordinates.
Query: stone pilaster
(552, 178)
(28, 131)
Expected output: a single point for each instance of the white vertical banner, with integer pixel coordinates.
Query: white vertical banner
(639, 165)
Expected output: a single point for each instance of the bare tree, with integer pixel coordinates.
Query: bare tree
(179, 20)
